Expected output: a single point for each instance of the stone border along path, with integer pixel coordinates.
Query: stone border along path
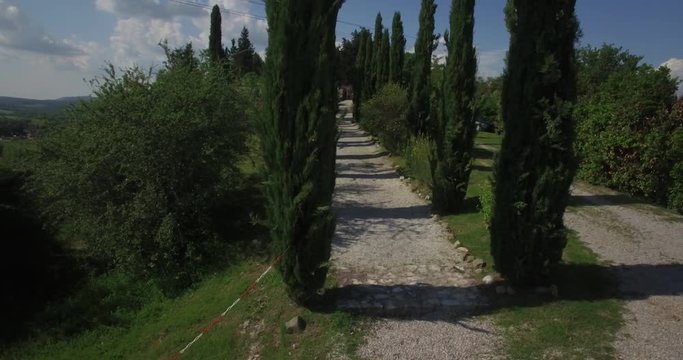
(393, 259)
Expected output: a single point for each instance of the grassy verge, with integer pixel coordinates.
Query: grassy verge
(580, 323)
(117, 316)
(162, 326)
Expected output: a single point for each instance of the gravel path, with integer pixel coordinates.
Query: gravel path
(645, 248)
(393, 259)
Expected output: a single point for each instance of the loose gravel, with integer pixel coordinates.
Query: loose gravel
(392, 254)
(644, 247)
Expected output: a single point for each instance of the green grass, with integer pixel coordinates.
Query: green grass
(580, 323)
(162, 326)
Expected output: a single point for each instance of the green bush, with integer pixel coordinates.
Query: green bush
(486, 202)
(627, 121)
(384, 116)
(417, 155)
(133, 176)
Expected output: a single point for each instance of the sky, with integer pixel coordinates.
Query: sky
(50, 49)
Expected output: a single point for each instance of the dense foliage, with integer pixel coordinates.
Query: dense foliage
(298, 135)
(385, 117)
(216, 50)
(628, 124)
(455, 128)
(420, 90)
(134, 176)
(536, 163)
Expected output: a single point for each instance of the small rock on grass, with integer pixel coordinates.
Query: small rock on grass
(295, 325)
(488, 279)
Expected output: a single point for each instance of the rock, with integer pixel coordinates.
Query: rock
(295, 325)
(427, 197)
(500, 290)
(457, 244)
(488, 279)
(479, 263)
(402, 178)
(511, 291)
(468, 258)
(462, 250)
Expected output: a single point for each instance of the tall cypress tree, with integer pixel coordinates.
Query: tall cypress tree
(398, 50)
(454, 135)
(536, 164)
(383, 61)
(368, 69)
(216, 50)
(421, 89)
(377, 55)
(359, 72)
(298, 134)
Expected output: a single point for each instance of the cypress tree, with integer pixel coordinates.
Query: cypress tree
(368, 86)
(383, 61)
(421, 89)
(377, 55)
(536, 164)
(359, 72)
(398, 49)
(216, 51)
(454, 137)
(298, 135)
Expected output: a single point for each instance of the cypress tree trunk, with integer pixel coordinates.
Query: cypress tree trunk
(398, 49)
(454, 135)
(216, 51)
(298, 135)
(359, 73)
(536, 164)
(421, 89)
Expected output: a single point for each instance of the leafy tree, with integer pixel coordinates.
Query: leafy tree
(398, 49)
(536, 164)
(488, 100)
(216, 50)
(135, 175)
(245, 59)
(359, 72)
(298, 134)
(596, 65)
(454, 136)
(421, 89)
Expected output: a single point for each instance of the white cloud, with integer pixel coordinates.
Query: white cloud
(676, 67)
(491, 62)
(18, 33)
(142, 24)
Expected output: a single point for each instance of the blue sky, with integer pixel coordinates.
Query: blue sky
(48, 48)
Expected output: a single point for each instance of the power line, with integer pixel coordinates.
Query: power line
(259, 17)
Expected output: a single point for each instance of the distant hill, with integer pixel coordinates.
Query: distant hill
(13, 104)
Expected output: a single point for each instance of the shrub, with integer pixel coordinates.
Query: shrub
(417, 155)
(486, 202)
(133, 175)
(385, 117)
